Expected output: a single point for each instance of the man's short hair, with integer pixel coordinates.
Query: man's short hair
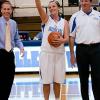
(6, 2)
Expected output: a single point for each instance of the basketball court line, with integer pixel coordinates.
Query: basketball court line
(30, 88)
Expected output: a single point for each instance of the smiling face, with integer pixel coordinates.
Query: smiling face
(53, 8)
(86, 5)
(6, 10)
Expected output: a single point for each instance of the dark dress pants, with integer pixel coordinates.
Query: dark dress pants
(88, 57)
(7, 71)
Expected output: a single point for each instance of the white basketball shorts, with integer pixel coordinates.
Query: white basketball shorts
(52, 67)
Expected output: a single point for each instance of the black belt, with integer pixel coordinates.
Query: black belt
(1, 49)
(89, 45)
(11, 50)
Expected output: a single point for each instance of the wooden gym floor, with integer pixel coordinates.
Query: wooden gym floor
(29, 87)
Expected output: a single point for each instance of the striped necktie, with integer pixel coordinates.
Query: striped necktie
(8, 37)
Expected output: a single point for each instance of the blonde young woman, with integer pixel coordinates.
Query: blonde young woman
(52, 60)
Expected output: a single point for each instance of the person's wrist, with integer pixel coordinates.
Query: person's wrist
(71, 53)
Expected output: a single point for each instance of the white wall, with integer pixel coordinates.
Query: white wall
(28, 7)
(31, 3)
(26, 12)
(70, 10)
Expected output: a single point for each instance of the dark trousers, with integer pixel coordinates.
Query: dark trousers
(7, 71)
(88, 57)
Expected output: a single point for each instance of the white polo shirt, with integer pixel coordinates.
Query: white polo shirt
(85, 28)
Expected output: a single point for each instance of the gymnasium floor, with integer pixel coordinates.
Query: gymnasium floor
(29, 87)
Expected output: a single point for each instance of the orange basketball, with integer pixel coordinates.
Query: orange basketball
(52, 36)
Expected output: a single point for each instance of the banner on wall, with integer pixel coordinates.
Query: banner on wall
(30, 61)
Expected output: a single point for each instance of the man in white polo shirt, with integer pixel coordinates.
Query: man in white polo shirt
(85, 32)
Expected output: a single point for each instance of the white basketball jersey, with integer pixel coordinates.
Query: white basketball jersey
(49, 27)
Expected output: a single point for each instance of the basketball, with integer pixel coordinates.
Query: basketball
(53, 36)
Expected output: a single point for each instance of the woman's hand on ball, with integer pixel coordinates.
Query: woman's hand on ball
(58, 41)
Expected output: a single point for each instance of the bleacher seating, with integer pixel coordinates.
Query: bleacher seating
(30, 25)
(27, 16)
